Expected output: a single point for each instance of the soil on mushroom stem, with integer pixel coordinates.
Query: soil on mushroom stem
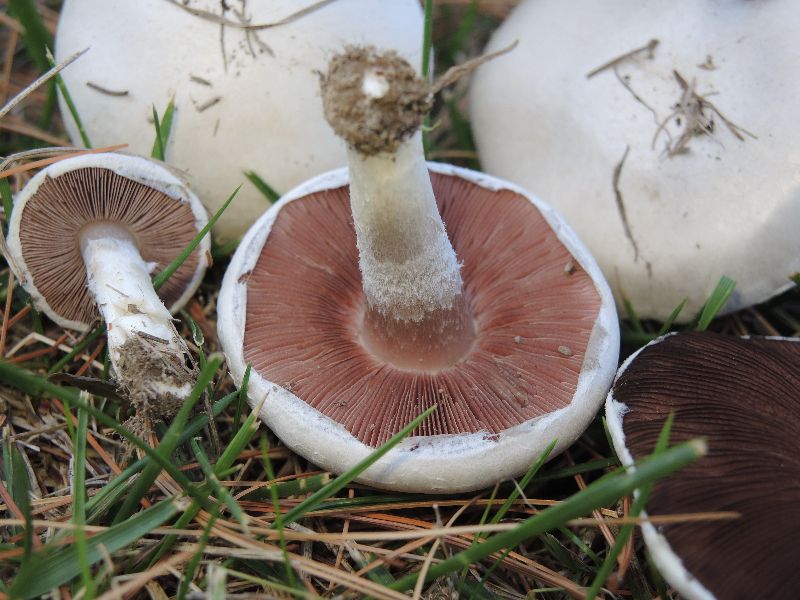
(37, 429)
(143, 364)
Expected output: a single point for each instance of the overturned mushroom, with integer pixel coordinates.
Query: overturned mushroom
(354, 323)
(86, 234)
(243, 78)
(666, 136)
(742, 396)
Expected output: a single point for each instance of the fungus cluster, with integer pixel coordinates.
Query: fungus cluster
(741, 395)
(666, 136)
(85, 237)
(365, 296)
(242, 76)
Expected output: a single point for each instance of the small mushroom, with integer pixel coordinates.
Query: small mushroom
(357, 309)
(243, 76)
(665, 134)
(743, 396)
(86, 235)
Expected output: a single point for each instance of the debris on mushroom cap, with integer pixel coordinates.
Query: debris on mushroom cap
(741, 395)
(308, 360)
(246, 96)
(659, 134)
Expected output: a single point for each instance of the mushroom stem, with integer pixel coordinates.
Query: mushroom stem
(416, 315)
(149, 357)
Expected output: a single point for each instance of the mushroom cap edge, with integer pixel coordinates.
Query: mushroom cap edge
(448, 463)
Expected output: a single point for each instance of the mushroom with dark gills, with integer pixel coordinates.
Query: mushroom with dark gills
(358, 310)
(85, 235)
(743, 396)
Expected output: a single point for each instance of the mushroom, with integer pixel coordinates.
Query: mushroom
(357, 310)
(742, 396)
(666, 136)
(85, 235)
(243, 78)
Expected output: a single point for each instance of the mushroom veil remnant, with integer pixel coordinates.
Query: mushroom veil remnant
(665, 132)
(366, 296)
(741, 395)
(86, 235)
(243, 77)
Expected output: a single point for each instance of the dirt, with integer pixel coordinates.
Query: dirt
(373, 124)
(144, 365)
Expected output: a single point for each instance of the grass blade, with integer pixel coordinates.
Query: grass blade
(79, 502)
(241, 398)
(158, 145)
(191, 567)
(162, 277)
(626, 530)
(224, 462)
(671, 318)
(571, 471)
(51, 568)
(8, 199)
(427, 40)
(600, 493)
(342, 480)
(168, 443)
(512, 497)
(262, 186)
(304, 485)
(18, 487)
(220, 492)
(427, 43)
(77, 349)
(110, 494)
(31, 384)
(73, 110)
(276, 506)
(633, 317)
(163, 128)
(715, 302)
(37, 39)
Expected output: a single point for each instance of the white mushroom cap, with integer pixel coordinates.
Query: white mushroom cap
(719, 205)
(454, 462)
(245, 101)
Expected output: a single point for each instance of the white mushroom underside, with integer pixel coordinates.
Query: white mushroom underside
(443, 463)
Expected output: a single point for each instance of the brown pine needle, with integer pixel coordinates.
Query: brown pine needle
(49, 161)
(7, 313)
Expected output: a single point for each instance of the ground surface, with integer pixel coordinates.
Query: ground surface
(214, 522)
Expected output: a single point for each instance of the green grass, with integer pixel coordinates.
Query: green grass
(163, 128)
(233, 508)
(73, 110)
(262, 186)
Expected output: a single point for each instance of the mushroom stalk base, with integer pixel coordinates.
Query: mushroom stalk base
(416, 313)
(150, 360)
(438, 341)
